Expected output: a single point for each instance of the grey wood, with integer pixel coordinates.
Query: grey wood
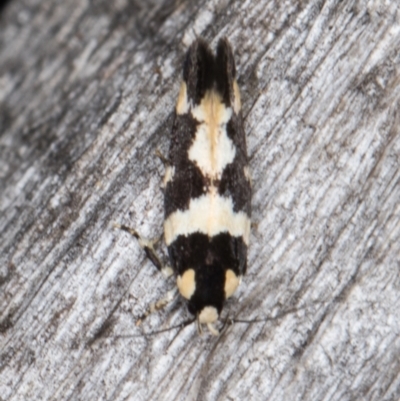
(87, 91)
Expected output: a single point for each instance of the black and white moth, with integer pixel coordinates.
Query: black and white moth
(207, 184)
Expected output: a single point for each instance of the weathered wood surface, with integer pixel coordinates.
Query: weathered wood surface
(87, 91)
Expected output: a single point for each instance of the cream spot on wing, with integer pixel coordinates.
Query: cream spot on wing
(247, 174)
(209, 214)
(232, 282)
(212, 150)
(169, 175)
(212, 110)
(209, 314)
(186, 283)
(182, 105)
(237, 105)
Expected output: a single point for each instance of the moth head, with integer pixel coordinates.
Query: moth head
(206, 289)
(209, 314)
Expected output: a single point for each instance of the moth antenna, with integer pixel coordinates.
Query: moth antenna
(279, 315)
(158, 305)
(181, 326)
(161, 156)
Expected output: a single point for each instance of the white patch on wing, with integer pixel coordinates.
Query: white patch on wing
(232, 282)
(169, 175)
(182, 105)
(247, 174)
(187, 283)
(237, 105)
(212, 150)
(209, 214)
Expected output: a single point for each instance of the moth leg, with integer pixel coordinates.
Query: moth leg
(227, 322)
(164, 159)
(148, 247)
(199, 328)
(160, 304)
(168, 169)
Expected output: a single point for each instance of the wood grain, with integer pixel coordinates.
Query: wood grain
(87, 91)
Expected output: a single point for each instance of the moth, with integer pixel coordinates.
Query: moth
(207, 185)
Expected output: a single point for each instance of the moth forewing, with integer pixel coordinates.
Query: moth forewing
(207, 183)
